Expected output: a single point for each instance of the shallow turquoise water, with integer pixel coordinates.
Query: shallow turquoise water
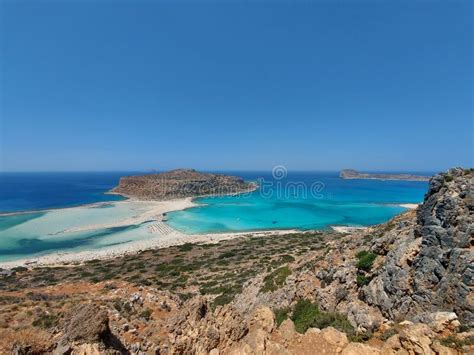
(39, 233)
(276, 206)
(289, 203)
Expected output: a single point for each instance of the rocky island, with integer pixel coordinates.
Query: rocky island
(402, 287)
(354, 174)
(180, 183)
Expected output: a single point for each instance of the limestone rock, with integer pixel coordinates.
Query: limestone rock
(417, 339)
(87, 323)
(443, 322)
(429, 267)
(360, 349)
(287, 329)
(263, 319)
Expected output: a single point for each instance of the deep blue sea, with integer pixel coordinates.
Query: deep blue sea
(302, 200)
(34, 191)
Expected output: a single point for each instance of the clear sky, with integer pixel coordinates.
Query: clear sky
(322, 85)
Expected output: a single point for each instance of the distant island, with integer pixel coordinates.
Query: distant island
(354, 174)
(180, 183)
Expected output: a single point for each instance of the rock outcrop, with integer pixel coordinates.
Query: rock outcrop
(180, 183)
(429, 267)
(86, 331)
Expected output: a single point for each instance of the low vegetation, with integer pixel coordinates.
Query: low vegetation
(306, 314)
(275, 279)
(218, 270)
(281, 314)
(454, 342)
(365, 260)
(362, 280)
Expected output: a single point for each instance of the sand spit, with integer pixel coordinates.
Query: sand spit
(410, 206)
(156, 241)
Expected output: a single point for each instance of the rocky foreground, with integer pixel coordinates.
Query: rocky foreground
(180, 183)
(403, 287)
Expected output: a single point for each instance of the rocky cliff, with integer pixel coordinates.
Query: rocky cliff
(180, 183)
(431, 268)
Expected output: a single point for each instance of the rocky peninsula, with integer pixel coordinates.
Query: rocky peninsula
(180, 183)
(354, 174)
(402, 287)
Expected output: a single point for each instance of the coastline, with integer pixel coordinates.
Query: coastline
(154, 242)
(161, 235)
(155, 213)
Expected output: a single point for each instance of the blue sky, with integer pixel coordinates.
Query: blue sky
(100, 85)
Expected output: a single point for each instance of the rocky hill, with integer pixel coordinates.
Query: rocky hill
(403, 287)
(180, 183)
(354, 174)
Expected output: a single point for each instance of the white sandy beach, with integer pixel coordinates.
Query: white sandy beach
(156, 234)
(347, 229)
(160, 234)
(155, 241)
(147, 211)
(410, 206)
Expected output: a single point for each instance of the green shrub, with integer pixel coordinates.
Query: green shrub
(366, 260)
(360, 338)
(388, 334)
(454, 342)
(304, 315)
(185, 296)
(362, 280)
(287, 258)
(448, 178)
(308, 315)
(228, 293)
(276, 279)
(281, 314)
(146, 314)
(186, 247)
(223, 299)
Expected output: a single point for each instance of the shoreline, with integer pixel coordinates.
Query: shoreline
(135, 247)
(410, 206)
(156, 240)
(126, 198)
(348, 229)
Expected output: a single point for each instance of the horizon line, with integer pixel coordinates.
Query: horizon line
(151, 171)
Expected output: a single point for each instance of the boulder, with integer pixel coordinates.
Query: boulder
(87, 323)
(441, 322)
(287, 330)
(263, 319)
(417, 339)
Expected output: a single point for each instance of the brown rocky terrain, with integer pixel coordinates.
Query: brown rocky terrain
(403, 287)
(180, 183)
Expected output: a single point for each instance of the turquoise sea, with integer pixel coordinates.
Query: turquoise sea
(301, 200)
(297, 200)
